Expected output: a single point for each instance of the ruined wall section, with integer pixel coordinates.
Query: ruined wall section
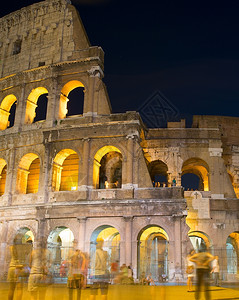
(45, 33)
(174, 146)
(229, 127)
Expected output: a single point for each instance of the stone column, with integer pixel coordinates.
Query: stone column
(9, 188)
(134, 251)
(81, 236)
(122, 252)
(95, 74)
(53, 102)
(84, 172)
(3, 248)
(177, 241)
(20, 109)
(47, 181)
(219, 179)
(41, 229)
(128, 240)
(129, 163)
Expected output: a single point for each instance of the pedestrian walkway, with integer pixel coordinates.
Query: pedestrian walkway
(134, 292)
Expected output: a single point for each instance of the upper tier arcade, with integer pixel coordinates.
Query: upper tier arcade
(44, 50)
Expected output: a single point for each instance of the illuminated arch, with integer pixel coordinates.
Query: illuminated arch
(111, 242)
(153, 251)
(158, 171)
(67, 88)
(28, 174)
(65, 171)
(3, 173)
(60, 243)
(32, 103)
(5, 108)
(200, 240)
(22, 245)
(97, 164)
(233, 176)
(198, 167)
(232, 248)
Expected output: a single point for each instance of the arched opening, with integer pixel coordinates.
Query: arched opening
(3, 175)
(153, 252)
(71, 99)
(65, 171)
(107, 169)
(200, 241)
(158, 171)
(232, 248)
(233, 179)
(60, 244)
(28, 174)
(111, 237)
(195, 175)
(36, 107)
(22, 246)
(7, 112)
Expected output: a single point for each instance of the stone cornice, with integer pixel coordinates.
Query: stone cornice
(44, 72)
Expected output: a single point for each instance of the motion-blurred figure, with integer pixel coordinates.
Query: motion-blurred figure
(15, 268)
(40, 275)
(114, 270)
(215, 270)
(77, 262)
(202, 260)
(100, 272)
(190, 271)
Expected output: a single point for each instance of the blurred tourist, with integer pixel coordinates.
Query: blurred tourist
(202, 260)
(40, 275)
(76, 269)
(190, 271)
(215, 270)
(99, 272)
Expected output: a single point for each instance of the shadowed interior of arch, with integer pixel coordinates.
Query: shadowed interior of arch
(195, 174)
(158, 171)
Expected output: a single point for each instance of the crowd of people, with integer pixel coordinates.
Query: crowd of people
(38, 275)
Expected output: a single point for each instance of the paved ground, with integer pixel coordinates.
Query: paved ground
(136, 292)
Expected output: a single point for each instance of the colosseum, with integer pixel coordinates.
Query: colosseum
(72, 171)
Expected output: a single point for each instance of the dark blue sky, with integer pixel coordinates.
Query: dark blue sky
(188, 50)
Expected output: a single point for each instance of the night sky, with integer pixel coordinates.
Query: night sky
(187, 50)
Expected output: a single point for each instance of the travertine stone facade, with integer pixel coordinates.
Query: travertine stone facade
(45, 50)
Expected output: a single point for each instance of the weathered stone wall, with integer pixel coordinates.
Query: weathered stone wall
(45, 33)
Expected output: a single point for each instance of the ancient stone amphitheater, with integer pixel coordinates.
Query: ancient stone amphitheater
(71, 171)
